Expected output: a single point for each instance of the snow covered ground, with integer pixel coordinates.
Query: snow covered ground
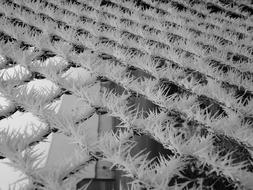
(19, 121)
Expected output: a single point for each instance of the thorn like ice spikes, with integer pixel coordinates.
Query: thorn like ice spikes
(173, 41)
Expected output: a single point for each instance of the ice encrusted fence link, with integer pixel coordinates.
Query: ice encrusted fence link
(176, 74)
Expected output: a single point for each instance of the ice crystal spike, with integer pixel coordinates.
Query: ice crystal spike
(173, 74)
